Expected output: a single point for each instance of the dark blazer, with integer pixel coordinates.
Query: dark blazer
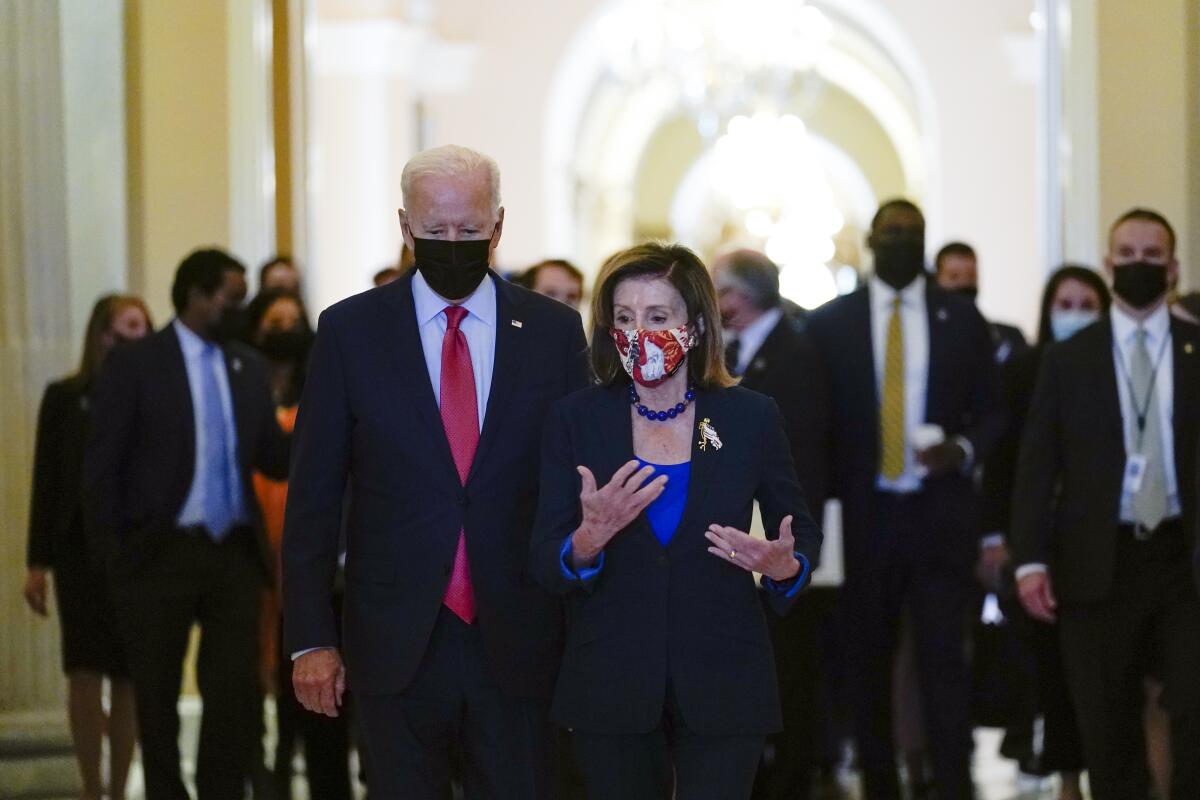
(962, 397)
(788, 369)
(1007, 341)
(140, 459)
(56, 507)
(1018, 378)
(676, 613)
(1067, 496)
(369, 415)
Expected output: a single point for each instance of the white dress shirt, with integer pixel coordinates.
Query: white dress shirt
(914, 323)
(1158, 340)
(194, 349)
(751, 339)
(479, 326)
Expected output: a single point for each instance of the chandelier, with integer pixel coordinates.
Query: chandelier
(721, 57)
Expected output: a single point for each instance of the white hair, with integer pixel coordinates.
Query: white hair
(448, 161)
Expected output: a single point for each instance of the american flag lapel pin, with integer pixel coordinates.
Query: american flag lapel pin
(516, 323)
(942, 315)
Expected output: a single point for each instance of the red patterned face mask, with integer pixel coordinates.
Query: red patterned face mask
(650, 357)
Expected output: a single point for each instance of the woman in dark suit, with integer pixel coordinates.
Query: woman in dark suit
(647, 490)
(1074, 298)
(91, 649)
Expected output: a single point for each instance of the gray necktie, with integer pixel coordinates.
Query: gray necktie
(1150, 504)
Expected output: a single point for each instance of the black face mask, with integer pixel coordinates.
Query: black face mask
(899, 262)
(285, 345)
(1140, 283)
(228, 326)
(452, 269)
(969, 292)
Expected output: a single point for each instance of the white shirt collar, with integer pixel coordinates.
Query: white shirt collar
(1157, 325)
(758, 330)
(192, 344)
(480, 304)
(883, 293)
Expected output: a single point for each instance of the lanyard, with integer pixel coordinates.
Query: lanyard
(1142, 408)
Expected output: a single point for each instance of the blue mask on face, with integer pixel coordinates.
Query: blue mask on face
(1065, 324)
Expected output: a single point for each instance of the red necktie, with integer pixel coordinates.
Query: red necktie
(460, 418)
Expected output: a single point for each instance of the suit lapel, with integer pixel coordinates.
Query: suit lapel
(1185, 345)
(507, 368)
(180, 392)
(705, 463)
(1108, 396)
(939, 331)
(235, 369)
(404, 341)
(765, 356)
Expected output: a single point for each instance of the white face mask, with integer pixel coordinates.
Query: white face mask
(1065, 324)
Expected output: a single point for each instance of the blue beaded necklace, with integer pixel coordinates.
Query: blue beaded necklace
(661, 416)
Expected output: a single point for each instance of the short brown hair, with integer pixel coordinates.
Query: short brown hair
(687, 273)
(1144, 215)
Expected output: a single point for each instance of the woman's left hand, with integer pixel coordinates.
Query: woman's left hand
(775, 559)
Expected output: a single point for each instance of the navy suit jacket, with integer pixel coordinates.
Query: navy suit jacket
(962, 396)
(1066, 503)
(369, 417)
(140, 460)
(677, 613)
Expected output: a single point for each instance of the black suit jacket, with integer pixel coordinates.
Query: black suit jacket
(140, 459)
(961, 397)
(1067, 496)
(788, 369)
(677, 613)
(1008, 341)
(56, 502)
(369, 415)
(1018, 379)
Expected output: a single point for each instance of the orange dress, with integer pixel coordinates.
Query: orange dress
(272, 499)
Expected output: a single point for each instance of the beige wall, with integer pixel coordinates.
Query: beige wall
(178, 109)
(1149, 139)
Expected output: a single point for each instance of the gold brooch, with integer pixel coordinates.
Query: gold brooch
(708, 434)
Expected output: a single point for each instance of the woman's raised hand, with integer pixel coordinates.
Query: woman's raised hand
(611, 507)
(775, 559)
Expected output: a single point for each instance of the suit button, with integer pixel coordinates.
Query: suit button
(663, 561)
(466, 501)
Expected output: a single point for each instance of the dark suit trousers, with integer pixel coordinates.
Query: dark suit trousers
(903, 570)
(453, 706)
(326, 739)
(803, 641)
(668, 762)
(194, 580)
(1153, 607)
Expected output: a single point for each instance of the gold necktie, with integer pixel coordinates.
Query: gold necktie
(891, 409)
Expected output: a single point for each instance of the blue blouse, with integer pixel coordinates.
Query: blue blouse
(667, 509)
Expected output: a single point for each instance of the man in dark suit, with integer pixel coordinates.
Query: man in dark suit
(181, 419)
(428, 395)
(915, 404)
(1104, 513)
(957, 269)
(768, 350)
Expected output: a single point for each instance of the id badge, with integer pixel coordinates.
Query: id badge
(1135, 472)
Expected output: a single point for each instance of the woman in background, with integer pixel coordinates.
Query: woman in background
(278, 327)
(91, 647)
(1075, 297)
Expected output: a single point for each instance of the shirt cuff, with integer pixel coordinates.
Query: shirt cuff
(792, 585)
(968, 452)
(991, 540)
(299, 653)
(585, 573)
(1029, 569)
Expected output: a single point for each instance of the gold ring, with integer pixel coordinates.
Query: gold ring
(732, 555)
